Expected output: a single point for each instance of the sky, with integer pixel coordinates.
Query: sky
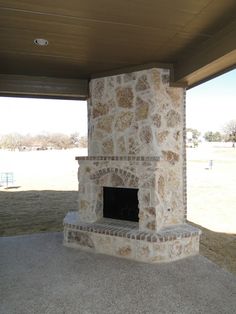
(209, 107)
(37, 116)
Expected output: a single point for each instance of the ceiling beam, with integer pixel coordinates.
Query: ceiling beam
(214, 56)
(134, 68)
(43, 87)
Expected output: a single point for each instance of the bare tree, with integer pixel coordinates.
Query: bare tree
(75, 138)
(43, 141)
(230, 131)
(11, 141)
(83, 142)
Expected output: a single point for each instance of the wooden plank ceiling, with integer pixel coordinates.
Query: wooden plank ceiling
(90, 37)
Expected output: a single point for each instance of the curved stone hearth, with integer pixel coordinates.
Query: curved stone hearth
(124, 239)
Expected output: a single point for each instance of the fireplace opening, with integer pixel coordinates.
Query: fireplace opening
(120, 203)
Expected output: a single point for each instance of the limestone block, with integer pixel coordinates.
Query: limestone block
(105, 123)
(176, 95)
(142, 83)
(97, 88)
(124, 248)
(172, 119)
(116, 180)
(160, 252)
(127, 77)
(100, 109)
(151, 225)
(141, 111)
(156, 78)
(162, 136)
(170, 156)
(81, 238)
(144, 251)
(123, 120)
(161, 187)
(146, 136)
(156, 120)
(108, 147)
(124, 97)
(103, 244)
(121, 149)
(134, 145)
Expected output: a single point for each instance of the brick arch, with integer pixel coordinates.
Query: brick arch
(124, 174)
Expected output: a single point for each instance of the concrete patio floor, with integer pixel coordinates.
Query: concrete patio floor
(39, 275)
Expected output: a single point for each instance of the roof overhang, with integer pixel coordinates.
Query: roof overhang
(88, 38)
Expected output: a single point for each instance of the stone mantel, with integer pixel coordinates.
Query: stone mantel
(118, 158)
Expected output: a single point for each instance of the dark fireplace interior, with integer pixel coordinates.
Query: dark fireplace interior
(120, 203)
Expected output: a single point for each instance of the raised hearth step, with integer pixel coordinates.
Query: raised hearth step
(129, 230)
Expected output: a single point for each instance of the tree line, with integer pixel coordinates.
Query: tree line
(228, 134)
(44, 141)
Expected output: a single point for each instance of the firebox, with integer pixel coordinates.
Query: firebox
(120, 203)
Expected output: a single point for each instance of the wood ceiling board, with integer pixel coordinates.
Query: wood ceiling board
(37, 22)
(91, 36)
(14, 17)
(211, 21)
(139, 12)
(92, 53)
(121, 48)
(175, 45)
(91, 32)
(86, 33)
(57, 67)
(37, 57)
(108, 34)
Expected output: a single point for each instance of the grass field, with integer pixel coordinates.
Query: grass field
(211, 193)
(212, 201)
(42, 170)
(47, 185)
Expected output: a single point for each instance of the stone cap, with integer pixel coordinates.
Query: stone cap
(119, 158)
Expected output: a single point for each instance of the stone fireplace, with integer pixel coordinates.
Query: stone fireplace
(132, 194)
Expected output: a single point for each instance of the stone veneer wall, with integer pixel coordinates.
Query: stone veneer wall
(136, 135)
(136, 114)
(139, 114)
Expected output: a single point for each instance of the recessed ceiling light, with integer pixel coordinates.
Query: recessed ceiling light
(41, 42)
